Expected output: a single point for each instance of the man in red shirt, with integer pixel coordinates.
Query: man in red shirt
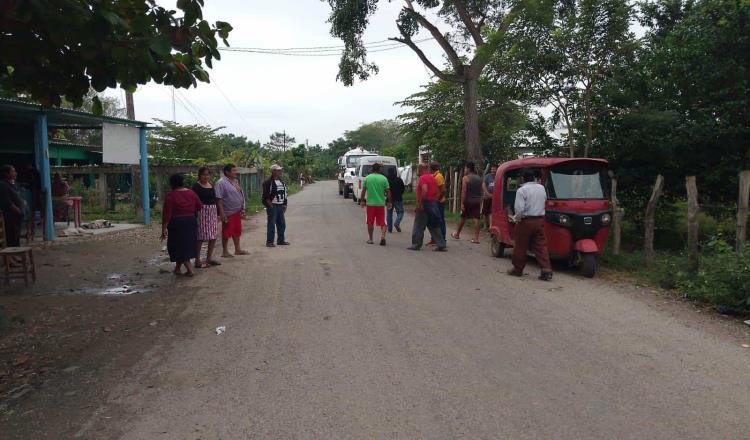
(427, 212)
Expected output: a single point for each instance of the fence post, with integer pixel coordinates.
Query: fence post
(101, 189)
(692, 218)
(617, 215)
(742, 209)
(648, 245)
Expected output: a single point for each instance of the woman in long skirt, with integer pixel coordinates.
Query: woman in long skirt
(208, 220)
(179, 225)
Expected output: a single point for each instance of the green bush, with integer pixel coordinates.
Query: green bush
(723, 278)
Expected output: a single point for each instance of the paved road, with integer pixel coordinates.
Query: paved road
(332, 338)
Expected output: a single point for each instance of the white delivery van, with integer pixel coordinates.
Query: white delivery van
(364, 167)
(346, 168)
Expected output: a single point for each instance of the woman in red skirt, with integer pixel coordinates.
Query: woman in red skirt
(208, 220)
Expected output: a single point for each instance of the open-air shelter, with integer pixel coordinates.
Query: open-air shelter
(24, 139)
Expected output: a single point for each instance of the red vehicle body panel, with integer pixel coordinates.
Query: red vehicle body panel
(560, 239)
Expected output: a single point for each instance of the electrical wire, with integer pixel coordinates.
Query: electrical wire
(321, 51)
(229, 101)
(195, 118)
(194, 107)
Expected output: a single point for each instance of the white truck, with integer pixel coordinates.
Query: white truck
(364, 167)
(347, 164)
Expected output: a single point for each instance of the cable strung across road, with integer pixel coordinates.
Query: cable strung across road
(321, 51)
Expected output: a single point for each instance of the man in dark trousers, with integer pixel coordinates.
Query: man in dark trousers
(275, 200)
(529, 218)
(11, 205)
(427, 213)
(397, 201)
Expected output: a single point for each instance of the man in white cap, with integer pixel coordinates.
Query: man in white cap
(275, 201)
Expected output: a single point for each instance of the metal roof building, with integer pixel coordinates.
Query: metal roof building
(24, 139)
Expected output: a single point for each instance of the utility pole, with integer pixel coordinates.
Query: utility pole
(174, 113)
(283, 146)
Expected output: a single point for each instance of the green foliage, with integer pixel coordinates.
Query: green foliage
(563, 55)
(375, 136)
(437, 120)
(723, 278)
(56, 49)
(279, 141)
(173, 143)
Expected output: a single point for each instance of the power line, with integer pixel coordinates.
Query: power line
(194, 107)
(229, 101)
(318, 52)
(195, 118)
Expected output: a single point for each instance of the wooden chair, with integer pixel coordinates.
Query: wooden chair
(8, 254)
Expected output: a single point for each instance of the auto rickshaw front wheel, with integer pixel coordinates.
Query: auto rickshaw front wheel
(497, 249)
(588, 268)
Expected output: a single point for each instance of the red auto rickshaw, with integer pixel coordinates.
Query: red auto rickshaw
(578, 211)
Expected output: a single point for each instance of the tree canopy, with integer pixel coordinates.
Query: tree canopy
(55, 50)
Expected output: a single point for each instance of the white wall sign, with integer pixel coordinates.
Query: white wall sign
(120, 144)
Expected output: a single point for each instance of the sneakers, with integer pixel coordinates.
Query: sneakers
(398, 228)
(431, 243)
(412, 248)
(440, 249)
(270, 245)
(283, 243)
(382, 241)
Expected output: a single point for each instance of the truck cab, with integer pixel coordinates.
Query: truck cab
(347, 166)
(364, 167)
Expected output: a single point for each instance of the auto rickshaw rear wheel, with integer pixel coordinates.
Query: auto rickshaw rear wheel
(588, 268)
(497, 249)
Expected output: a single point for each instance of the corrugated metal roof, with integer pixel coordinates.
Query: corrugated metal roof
(65, 115)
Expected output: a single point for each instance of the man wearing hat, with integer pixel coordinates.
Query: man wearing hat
(275, 201)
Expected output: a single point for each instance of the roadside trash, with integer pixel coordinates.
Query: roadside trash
(153, 323)
(107, 329)
(20, 360)
(220, 329)
(745, 346)
(747, 322)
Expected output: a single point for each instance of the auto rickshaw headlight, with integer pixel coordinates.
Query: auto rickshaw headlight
(564, 220)
(606, 219)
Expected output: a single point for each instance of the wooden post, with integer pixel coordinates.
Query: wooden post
(617, 216)
(135, 190)
(742, 203)
(649, 223)
(692, 218)
(158, 179)
(102, 190)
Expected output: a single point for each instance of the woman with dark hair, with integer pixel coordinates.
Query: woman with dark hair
(178, 224)
(208, 220)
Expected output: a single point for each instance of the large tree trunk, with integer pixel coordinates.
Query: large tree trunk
(471, 122)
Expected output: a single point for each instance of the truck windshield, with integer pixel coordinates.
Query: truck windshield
(578, 182)
(351, 161)
(367, 169)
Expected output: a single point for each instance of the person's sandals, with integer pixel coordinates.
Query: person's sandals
(370, 242)
(546, 276)
(177, 272)
(382, 241)
(201, 265)
(189, 274)
(227, 256)
(242, 253)
(475, 241)
(398, 228)
(214, 263)
(412, 248)
(455, 236)
(270, 245)
(440, 249)
(512, 272)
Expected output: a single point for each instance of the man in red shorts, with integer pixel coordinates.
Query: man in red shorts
(375, 191)
(231, 204)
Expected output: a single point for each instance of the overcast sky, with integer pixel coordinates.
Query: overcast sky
(296, 94)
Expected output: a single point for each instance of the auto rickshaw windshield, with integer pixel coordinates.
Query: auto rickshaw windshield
(578, 182)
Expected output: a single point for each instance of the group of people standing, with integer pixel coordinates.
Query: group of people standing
(191, 216)
(381, 195)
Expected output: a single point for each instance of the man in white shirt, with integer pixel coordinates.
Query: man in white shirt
(529, 233)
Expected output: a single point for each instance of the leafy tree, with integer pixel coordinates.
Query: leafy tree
(376, 135)
(438, 118)
(340, 146)
(279, 141)
(61, 48)
(478, 28)
(566, 62)
(173, 143)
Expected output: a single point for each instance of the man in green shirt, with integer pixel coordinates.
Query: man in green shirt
(375, 191)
